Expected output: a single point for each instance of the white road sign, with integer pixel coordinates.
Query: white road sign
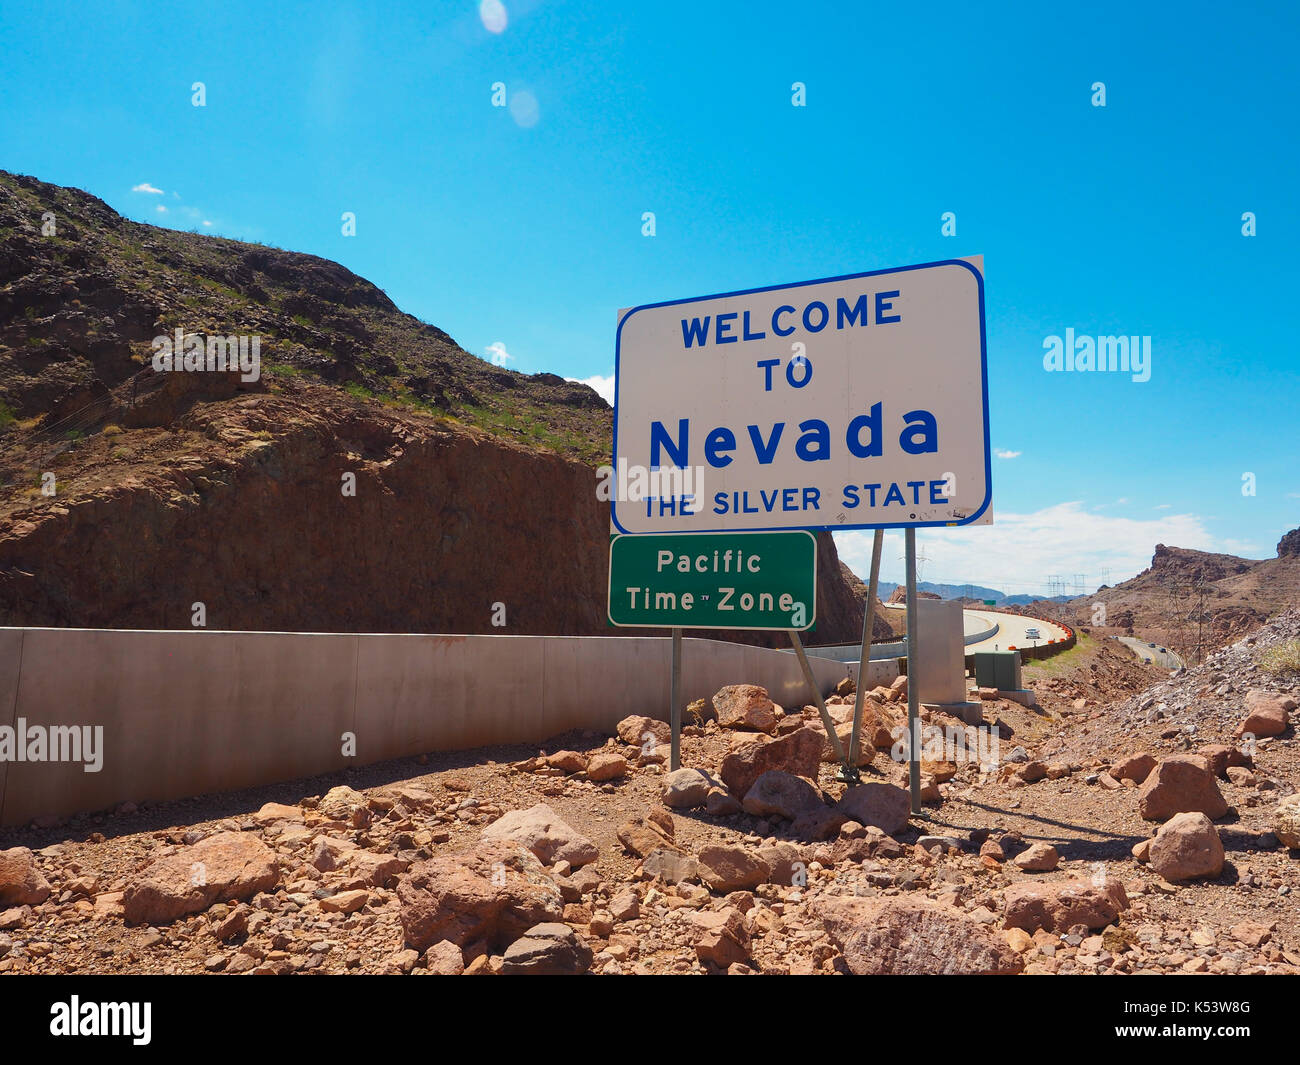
(849, 402)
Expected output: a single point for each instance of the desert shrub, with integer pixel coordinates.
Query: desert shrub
(1282, 660)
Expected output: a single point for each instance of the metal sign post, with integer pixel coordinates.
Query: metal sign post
(913, 710)
(735, 581)
(851, 775)
(675, 756)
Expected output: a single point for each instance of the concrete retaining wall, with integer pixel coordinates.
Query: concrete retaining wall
(185, 713)
(849, 652)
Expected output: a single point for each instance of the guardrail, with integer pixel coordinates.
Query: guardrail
(1050, 647)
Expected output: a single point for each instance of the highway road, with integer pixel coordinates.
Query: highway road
(1006, 630)
(1012, 629)
(1143, 649)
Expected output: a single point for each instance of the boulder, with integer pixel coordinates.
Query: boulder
(345, 901)
(222, 868)
(372, 868)
(542, 831)
(784, 861)
(1266, 714)
(1136, 767)
(410, 798)
(818, 823)
(1219, 757)
(276, 811)
(720, 936)
(1037, 858)
(942, 772)
(844, 730)
(569, 762)
(345, 804)
(686, 789)
(444, 959)
(641, 731)
(1057, 907)
(745, 706)
(799, 753)
(641, 837)
(721, 803)
(886, 806)
(778, 794)
(330, 853)
(1180, 783)
(728, 868)
(1286, 821)
(21, 882)
(880, 723)
(907, 936)
(670, 866)
(607, 765)
(491, 894)
(1185, 847)
(549, 949)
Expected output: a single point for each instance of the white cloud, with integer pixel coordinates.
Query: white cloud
(144, 186)
(603, 386)
(493, 14)
(161, 209)
(524, 109)
(1000, 453)
(1163, 506)
(497, 354)
(1018, 552)
(206, 222)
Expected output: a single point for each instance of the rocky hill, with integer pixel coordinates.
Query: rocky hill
(881, 629)
(474, 484)
(1188, 597)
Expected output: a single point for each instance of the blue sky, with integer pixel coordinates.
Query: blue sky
(519, 229)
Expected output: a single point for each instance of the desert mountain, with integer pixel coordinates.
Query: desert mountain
(474, 484)
(1188, 597)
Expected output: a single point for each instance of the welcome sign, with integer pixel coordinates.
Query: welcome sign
(849, 402)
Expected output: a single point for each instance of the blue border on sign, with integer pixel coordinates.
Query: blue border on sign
(984, 382)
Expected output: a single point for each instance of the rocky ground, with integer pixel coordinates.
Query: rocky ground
(1119, 827)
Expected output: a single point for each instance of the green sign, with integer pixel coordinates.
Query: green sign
(760, 580)
(990, 602)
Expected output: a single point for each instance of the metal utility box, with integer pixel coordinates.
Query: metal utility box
(998, 669)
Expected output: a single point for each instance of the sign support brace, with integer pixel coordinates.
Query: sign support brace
(850, 774)
(829, 725)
